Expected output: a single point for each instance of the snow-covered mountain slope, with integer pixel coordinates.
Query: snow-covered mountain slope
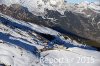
(87, 19)
(15, 56)
(38, 6)
(86, 5)
(71, 58)
(26, 44)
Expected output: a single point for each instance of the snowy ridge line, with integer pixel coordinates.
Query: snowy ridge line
(33, 27)
(38, 7)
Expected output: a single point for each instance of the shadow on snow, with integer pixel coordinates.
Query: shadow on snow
(6, 38)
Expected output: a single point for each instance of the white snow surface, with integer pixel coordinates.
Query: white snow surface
(92, 5)
(71, 57)
(38, 7)
(18, 47)
(15, 56)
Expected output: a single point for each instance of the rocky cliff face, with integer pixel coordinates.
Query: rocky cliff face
(78, 23)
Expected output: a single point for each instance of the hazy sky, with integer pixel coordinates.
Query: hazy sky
(78, 1)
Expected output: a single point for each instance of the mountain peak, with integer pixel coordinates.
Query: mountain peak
(39, 5)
